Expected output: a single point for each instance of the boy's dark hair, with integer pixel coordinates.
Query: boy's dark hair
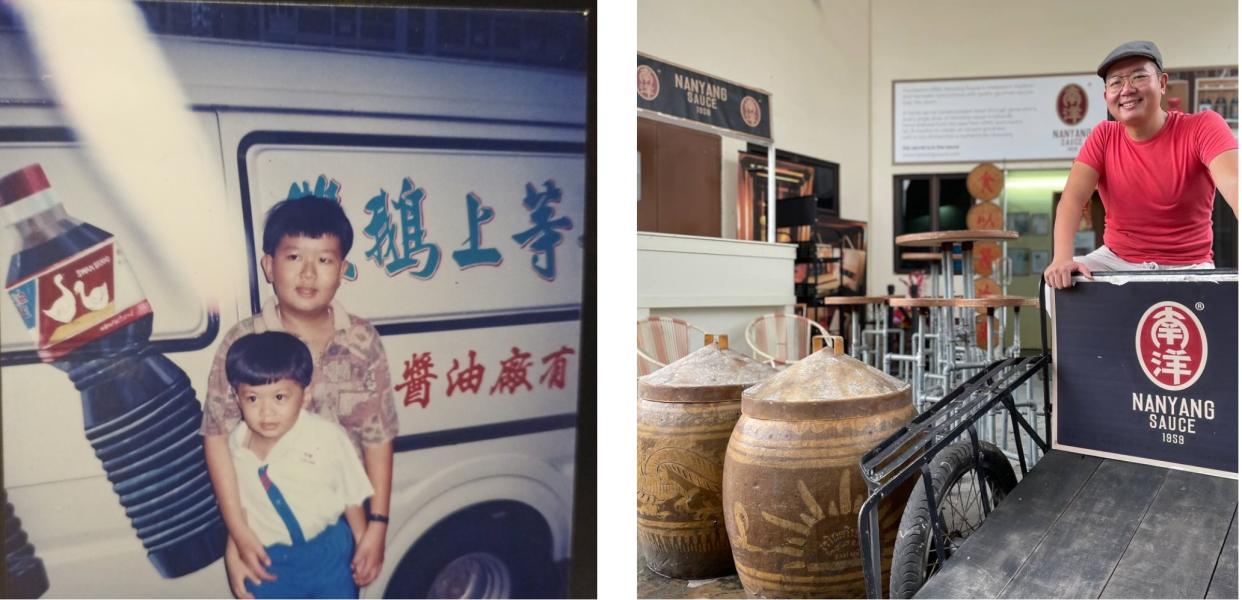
(308, 216)
(263, 358)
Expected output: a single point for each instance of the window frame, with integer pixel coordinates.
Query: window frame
(933, 208)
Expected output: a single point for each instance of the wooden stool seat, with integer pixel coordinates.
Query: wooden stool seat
(937, 238)
(920, 302)
(852, 300)
(994, 302)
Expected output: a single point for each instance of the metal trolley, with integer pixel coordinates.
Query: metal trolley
(910, 451)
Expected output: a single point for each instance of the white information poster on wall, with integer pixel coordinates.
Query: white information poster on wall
(1014, 118)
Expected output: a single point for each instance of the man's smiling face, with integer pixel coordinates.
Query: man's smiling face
(1132, 90)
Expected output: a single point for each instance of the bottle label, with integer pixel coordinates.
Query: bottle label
(80, 299)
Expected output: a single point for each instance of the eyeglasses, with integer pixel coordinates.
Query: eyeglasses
(1137, 79)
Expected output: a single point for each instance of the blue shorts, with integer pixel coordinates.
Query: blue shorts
(317, 568)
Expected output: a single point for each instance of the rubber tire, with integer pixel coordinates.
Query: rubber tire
(914, 543)
(523, 544)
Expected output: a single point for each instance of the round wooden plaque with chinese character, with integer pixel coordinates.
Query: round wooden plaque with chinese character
(985, 253)
(985, 182)
(985, 215)
(981, 331)
(986, 286)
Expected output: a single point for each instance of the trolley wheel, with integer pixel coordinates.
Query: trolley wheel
(956, 487)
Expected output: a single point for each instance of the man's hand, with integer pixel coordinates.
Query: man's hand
(369, 556)
(245, 558)
(1059, 274)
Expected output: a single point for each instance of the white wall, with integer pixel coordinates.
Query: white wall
(916, 39)
(811, 55)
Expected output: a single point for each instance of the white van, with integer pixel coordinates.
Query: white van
(482, 484)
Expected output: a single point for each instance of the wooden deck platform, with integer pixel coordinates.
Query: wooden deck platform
(1084, 527)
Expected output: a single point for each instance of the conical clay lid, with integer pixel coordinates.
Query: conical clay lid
(828, 384)
(713, 373)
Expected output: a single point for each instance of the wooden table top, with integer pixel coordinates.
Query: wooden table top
(1086, 527)
(936, 238)
(959, 302)
(852, 300)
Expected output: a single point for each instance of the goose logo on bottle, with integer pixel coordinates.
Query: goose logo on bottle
(79, 299)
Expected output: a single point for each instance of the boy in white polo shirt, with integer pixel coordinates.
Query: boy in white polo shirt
(300, 480)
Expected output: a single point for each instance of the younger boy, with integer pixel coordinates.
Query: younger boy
(297, 472)
(305, 242)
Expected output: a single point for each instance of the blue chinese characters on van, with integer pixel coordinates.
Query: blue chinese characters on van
(542, 237)
(475, 255)
(399, 229)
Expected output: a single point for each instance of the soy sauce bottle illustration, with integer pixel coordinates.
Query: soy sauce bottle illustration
(79, 298)
(24, 574)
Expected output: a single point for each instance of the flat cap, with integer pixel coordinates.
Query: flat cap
(1142, 48)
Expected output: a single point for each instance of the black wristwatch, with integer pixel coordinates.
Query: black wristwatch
(377, 518)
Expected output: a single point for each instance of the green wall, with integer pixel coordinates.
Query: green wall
(1031, 192)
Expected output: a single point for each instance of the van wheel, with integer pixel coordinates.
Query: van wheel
(480, 553)
(474, 575)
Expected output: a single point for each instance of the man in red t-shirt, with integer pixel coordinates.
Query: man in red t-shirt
(1156, 170)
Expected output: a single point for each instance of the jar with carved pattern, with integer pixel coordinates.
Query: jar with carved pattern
(792, 485)
(686, 411)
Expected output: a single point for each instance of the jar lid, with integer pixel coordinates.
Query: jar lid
(827, 385)
(709, 374)
(24, 182)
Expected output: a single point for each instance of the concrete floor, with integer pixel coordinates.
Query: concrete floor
(654, 585)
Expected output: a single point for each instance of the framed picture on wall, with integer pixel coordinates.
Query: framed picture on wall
(1039, 223)
(1039, 260)
(1020, 261)
(792, 180)
(796, 175)
(1018, 221)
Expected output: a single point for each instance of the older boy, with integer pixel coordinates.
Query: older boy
(300, 480)
(305, 242)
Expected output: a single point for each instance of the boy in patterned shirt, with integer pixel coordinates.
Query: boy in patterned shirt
(305, 242)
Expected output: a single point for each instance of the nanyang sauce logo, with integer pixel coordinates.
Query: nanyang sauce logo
(1171, 345)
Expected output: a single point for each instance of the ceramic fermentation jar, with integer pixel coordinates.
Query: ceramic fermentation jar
(686, 411)
(792, 483)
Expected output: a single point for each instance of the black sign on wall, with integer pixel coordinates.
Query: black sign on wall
(1147, 370)
(679, 92)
